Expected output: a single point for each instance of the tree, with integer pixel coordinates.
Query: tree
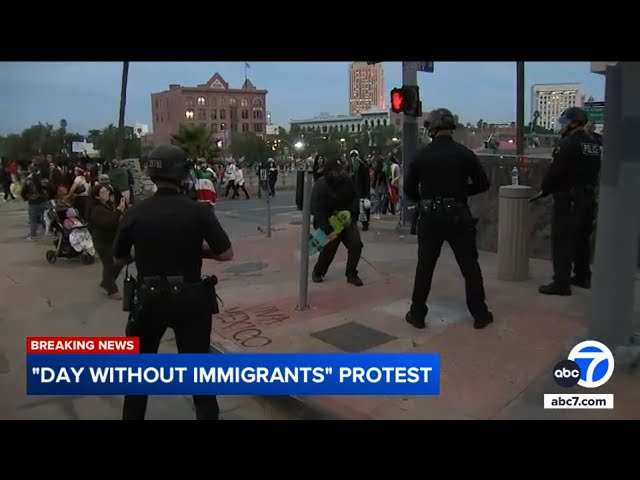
(106, 141)
(248, 145)
(197, 141)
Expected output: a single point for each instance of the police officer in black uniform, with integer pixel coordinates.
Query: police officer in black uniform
(572, 179)
(167, 232)
(438, 182)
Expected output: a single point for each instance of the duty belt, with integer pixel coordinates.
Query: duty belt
(163, 284)
(440, 201)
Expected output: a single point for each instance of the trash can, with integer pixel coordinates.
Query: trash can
(299, 189)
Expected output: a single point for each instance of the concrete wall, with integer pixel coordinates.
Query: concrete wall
(485, 206)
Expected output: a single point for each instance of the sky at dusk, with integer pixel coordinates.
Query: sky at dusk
(86, 94)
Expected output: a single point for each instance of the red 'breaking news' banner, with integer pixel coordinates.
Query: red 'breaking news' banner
(68, 345)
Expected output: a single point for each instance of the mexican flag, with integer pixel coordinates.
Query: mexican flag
(205, 185)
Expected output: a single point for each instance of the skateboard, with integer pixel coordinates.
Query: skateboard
(318, 239)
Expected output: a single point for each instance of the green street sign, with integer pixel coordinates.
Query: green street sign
(595, 112)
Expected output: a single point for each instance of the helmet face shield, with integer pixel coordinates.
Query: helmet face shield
(562, 124)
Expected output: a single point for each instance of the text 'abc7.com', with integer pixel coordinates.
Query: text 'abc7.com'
(590, 365)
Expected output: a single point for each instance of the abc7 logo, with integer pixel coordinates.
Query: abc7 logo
(590, 365)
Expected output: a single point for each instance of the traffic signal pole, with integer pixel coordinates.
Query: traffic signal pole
(610, 317)
(409, 135)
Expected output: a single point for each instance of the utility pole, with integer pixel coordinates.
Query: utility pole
(409, 134)
(519, 108)
(610, 317)
(123, 106)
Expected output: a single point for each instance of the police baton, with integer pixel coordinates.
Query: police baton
(536, 197)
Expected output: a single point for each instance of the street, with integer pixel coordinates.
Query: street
(244, 217)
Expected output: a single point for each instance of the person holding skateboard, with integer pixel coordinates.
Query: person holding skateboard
(335, 192)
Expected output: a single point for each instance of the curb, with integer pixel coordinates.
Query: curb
(306, 408)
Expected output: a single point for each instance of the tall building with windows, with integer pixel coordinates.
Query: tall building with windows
(366, 87)
(551, 99)
(223, 110)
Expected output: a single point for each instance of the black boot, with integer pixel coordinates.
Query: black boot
(555, 289)
(415, 320)
(581, 282)
(479, 323)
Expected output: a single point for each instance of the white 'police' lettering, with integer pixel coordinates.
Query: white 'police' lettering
(591, 149)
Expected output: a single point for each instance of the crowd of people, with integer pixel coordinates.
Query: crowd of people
(86, 197)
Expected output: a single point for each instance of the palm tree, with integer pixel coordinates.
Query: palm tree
(196, 140)
(123, 105)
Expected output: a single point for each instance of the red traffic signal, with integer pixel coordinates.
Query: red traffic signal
(406, 100)
(397, 100)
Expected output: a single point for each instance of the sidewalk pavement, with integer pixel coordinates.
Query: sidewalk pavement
(500, 372)
(39, 299)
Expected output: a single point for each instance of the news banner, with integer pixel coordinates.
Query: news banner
(115, 366)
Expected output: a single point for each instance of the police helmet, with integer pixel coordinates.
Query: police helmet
(168, 162)
(354, 153)
(333, 164)
(571, 118)
(440, 119)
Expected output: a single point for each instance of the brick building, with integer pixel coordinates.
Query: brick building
(222, 109)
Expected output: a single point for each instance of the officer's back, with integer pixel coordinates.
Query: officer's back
(443, 169)
(167, 231)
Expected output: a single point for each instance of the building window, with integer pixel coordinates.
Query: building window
(257, 127)
(384, 122)
(189, 114)
(189, 102)
(245, 127)
(233, 102)
(244, 102)
(245, 114)
(214, 114)
(214, 127)
(257, 102)
(234, 127)
(223, 126)
(157, 118)
(156, 102)
(223, 114)
(232, 114)
(257, 114)
(202, 114)
(202, 101)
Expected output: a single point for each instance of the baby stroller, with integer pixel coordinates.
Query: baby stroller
(68, 242)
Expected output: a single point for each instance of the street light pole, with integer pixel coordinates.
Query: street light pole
(520, 108)
(123, 105)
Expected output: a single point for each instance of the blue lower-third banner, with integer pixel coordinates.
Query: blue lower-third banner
(234, 374)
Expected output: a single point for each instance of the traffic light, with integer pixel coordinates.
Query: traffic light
(397, 100)
(406, 100)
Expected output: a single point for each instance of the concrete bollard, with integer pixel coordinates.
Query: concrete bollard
(513, 232)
